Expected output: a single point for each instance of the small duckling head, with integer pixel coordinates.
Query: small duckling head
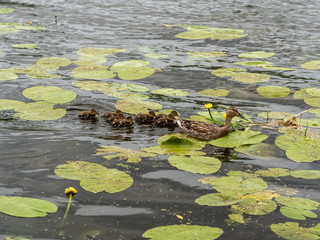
(120, 116)
(152, 113)
(174, 113)
(129, 120)
(233, 112)
(118, 112)
(93, 111)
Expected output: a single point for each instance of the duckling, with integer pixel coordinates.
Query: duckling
(146, 118)
(127, 122)
(208, 131)
(163, 115)
(92, 114)
(110, 114)
(166, 121)
(114, 117)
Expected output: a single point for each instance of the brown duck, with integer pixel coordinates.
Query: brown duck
(208, 131)
(92, 114)
(163, 115)
(166, 121)
(111, 114)
(127, 122)
(146, 118)
(115, 117)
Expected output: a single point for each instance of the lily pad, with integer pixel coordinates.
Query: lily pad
(196, 164)
(250, 77)
(135, 73)
(257, 54)
(99, 51)
(226, 72)
(156, 55)
(41, 114)
(56, 61)
(127, 64)
(239, 138)
(217, 200)
(170, 92)
(312, 65)
(94, 177)
(29, 28)
(30, 45)
(313, 102)
(214, 92)
(7, 104)
(273, 91)
(26, 207)
(207, 54)
(306, 174)
(7, 75)
(255, 63)
(260, 150)
(88, 60)
(41, 74)
(275, 115)
(252, 206)
(135, 107)
(313, 92)
(298, 214)
(292, 231)
(132, 156)
(274, 172)
(6, 10)
(127, 95)
(183, 232)
(8, 30)
(92, 72)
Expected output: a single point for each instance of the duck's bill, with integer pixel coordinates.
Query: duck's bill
(241, 116)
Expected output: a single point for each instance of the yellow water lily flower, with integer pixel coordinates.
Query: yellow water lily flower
(208, 105)
(225, 115)
(70, 191)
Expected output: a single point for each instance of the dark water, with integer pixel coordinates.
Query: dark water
(30, 151)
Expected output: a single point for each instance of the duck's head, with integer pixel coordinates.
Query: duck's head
(152, 113)
(93, 111)
(233, 112)
(129, 119)
(118, 111)
(121, 116)
(174, 113)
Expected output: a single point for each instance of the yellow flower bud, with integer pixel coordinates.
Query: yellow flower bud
(208, 105)
(70, 191)
(30, 23)
(225, 115)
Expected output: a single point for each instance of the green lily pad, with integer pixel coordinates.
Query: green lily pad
(217, 200)
(273, 91)
(88, 60)
(127, 95)
(6, 10)
(250, 77)
(242, 174)
(6, 104)
(156, 56)
(260, 150)
(172, 151)
(252, 206)
(237, 217)
(170, 92)
(135, 73)
(29, 28)
(183, 232)
(207, 54)
(92, 72)
(313, 102)
(132, 156)
(300, 94)
(226, 72)
(41, 74)
(306, 174)
(135, 107)
(292, 231)
(41, 114)
(274, 172)
(26, 207)
(239, 138)
(7, 75)
(214, 92)
(312, 65)
(298, 214)
(257, 54)
(313, 92)
(94, 177)
(8, 30)
(255, 63)
(275, 115)
(196, 164)
(56, 61)
(38, 68)
(97, 51)
(127, 64)
(30, 45)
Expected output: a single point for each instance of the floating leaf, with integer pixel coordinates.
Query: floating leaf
(6, 75)
(127, 95)
(313, 65)
(94, 177)
(29, 28)
(292, 231)
(41, 114)
(257, 54)
(6, 104)
(273, 172)
(127, 64)
(313, 102)
(237, 217)
(253, 207)
(132, 156)
(135, 73)
(207, 54)
(273, 91)
(298, 214)
(214, 92)
(170, 92)
(260, 150)
(135, 107)
(250, 77)
(275, 115)
(92, 72)
(266, 194)
(242, 174)
(26, 207)
(196, 164)
(6, 10)
(226, 72)
(8, 30)
(183, 232)
(97, 51)
(217, 200)
(87, 60)
(239, 138)
(313, 92)
(42, 74)
(255, 63)
(306, 174)
(300, 94)
(156, 55)
(56, 61)
(30, 45)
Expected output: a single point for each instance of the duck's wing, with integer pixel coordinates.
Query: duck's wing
(197, 129)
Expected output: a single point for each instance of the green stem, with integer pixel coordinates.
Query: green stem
(210, 114)
(305, 132)
(67, 210)
(234, 129)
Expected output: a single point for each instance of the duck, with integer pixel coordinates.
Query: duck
(114, 117)
(163, 115)
(209, 131)
(92, 114)
(146, 118)
(166, 121)
(127, 122)
(110, 114)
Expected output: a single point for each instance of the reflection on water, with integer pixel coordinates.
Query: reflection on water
(30, 150)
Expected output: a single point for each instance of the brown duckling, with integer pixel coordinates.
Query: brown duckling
(127, 122)
(163, 115)
(208, 131)
(92, 114)
(114, 117)
(168, 121)
(111, 114)
(146, 118)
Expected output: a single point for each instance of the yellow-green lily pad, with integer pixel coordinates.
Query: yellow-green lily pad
(273, 172)
(248, 77)
(226, 72)
(6, 10)
(56, 61)
(183, 232)
(156, 55)
(196, 164)
(135, 107)
(312, 101)
(26, 207)
(30, 45)
(260, 150)
(255, 63)
(170, 92)
(7, 75)
(256, 54)
(275, 115)
(94, 177)
(252, 206)
(306, 174)
(99, 51)
(273, 91)
(8, 30)
(312, 65)
(135, 73)
(88, 60)
(292, 231)
(127, 95)
(207, 54)
(127, 64)
(217, 200)
(214, 92)
(7, 104)
(41, 114)
(132, 156)
(29, 28)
